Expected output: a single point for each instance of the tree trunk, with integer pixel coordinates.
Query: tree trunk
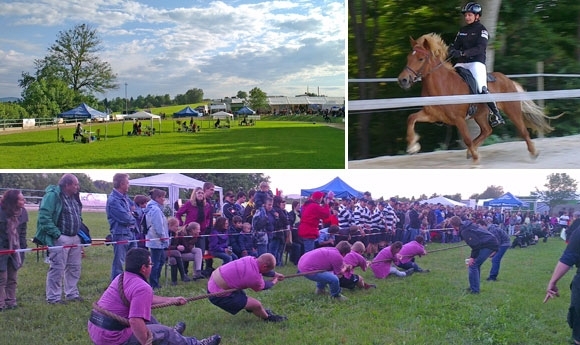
(490, 13)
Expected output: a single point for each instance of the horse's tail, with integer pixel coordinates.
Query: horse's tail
(534, 116)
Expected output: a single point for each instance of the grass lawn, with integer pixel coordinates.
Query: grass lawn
(267, 145)
(430, 308)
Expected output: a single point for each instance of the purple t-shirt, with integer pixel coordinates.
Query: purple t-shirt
(324, 258)
(239, 274)
(410, 250)
(381, 265)
(355, 260)
(140, 296)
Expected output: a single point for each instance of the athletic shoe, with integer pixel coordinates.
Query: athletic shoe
(370, 286)
(409, 272)
(179, 327)
(340, 298)
(275, 318)
(213, 340)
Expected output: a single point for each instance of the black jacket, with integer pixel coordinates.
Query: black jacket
(471, 40)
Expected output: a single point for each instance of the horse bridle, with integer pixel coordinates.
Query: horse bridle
(418, 75)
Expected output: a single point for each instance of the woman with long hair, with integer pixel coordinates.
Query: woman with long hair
(13, 220)
(198, 210)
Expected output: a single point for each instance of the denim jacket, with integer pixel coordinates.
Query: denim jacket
(121, 220)
(158, 227)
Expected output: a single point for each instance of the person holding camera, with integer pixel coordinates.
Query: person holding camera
(313, 211)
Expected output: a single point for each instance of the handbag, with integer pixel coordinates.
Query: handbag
(84, 234)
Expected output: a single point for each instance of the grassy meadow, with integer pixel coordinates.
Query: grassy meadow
(430, 308)
(267, 145)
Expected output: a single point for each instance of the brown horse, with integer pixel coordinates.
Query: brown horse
(428, 62)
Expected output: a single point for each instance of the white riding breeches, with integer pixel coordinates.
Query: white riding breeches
(478, 71)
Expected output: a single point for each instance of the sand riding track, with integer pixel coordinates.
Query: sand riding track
(555, 153)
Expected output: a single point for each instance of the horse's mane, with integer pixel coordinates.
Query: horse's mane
(436, 44)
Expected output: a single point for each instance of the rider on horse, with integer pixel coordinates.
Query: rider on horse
(469, 50)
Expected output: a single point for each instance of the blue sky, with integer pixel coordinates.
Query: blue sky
(168, 47)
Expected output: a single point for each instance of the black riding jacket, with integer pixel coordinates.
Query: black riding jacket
(471, 40)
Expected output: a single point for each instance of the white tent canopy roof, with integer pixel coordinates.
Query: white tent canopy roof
(222, 115)
(443, 201)
(174, 181)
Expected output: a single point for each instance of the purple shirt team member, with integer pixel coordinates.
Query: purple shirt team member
(241, 274)
(408, 253)
(355, 259)
(136, 306)
(381, 265)
(329, 259)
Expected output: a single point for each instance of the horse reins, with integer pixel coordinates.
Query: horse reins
(418, 75)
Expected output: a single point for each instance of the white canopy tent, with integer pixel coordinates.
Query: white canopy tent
(143, 115)
(222, 115)
(174, 182)
(443, 201)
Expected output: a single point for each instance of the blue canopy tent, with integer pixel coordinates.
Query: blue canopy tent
(340, 189)
(84, 112)
(245, 111)
(187, 112)
(506, 200)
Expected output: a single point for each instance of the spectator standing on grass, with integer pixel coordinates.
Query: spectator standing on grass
(250, 207)
(570, 257)
(122, 222)
(129, 296)
(504, 243)
(13, 222)
(483, 245)
(229, 209)
(209, 191)
(158, 234)
(282, 234)
(331, 261)
(313, 211)
(59, 220)
(241, 274)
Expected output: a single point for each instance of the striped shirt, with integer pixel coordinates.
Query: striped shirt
(69, 221)
(390, 217)
(345, 217)
(376, 221)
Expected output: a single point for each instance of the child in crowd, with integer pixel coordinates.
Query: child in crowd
(247, 241)
(355, 259)
(381, 264)
(234, 238)
(262, 194)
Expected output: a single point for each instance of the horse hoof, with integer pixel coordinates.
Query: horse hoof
(535, 155)
(413, 148)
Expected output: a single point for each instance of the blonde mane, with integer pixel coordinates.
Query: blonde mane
(434, 43)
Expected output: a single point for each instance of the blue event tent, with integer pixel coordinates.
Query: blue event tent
(340, 189)
(245, 111)
(83, 111)
(186, 112)
(506, 200)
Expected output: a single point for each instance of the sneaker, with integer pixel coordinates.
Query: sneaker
(370, 286)
(276, 318)
(173, 283)
(425, 271)
(75, 299)
(179, 327)
(340, 298)
(490, 279)
(409, 272)
(56, 302)
(320, 291)
(213, 340)
(186, 279)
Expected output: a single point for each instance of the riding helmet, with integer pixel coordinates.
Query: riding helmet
(472, 7)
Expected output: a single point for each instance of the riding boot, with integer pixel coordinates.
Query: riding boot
(181, 270)
(495, 118)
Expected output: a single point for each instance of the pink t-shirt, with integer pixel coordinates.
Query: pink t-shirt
(140, 296)
(324, 258)
(243, 273)
(381, 265)
(410, 250)
(355, 260)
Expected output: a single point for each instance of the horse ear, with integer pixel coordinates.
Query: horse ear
(426, 45)
(412, 41)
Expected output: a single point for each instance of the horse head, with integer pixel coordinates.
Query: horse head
(427, 49)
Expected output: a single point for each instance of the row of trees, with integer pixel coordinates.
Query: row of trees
(72, 73)
(525, 32)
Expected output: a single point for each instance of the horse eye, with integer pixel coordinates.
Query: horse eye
(421, 59)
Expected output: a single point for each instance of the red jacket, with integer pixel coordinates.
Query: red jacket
(311, 215)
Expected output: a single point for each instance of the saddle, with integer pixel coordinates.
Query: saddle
(472, 83)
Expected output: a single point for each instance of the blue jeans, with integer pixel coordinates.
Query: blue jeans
(496, 261)
(262, 248)
(308, 244)
(326, 278)
(158, 260)
(224, 256)
(119, 253)
(475, 269)
(275, 246)
(410, 264)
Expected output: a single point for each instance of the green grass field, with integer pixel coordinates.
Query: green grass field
(267, 145)
(430, 308)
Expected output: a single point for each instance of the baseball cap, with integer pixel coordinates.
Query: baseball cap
(317, 195)
(393, 199)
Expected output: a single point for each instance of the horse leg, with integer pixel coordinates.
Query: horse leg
(485, 128)
(461, 125)
(413, 145)
(514, 112)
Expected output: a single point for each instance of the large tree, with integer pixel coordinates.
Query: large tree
(258, 99)
(74, 59)
(559, 188)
